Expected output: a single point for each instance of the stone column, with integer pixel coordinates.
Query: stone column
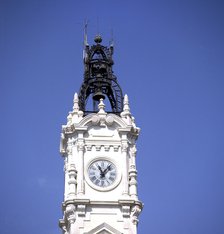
(124, 150)
(72, 173)
(133, 173)
(66, 177)
(80, 175)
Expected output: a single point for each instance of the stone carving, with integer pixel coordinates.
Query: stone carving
(70, 213)
(95, 119)
(69, 149)
(135, 211)
(69, 119)
(109, 120)
(68, 129)
(133, 150)
(124, 147)
(64, 229)
(62, 144)
(80, 146)
(101, 117)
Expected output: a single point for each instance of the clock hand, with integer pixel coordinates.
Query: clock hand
(99, 167)
(107, 169)
(102, 174)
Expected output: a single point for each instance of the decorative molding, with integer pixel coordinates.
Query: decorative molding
(103, 228)
(81, 210)
(89, 147)
(126, 211)
(98, 147)
(116, 148)
(106, 148)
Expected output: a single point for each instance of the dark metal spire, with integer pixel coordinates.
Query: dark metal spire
(99, 80)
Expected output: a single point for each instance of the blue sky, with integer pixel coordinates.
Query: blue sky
(169, 59)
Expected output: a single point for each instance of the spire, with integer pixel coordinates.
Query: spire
(126, 108)
(75, 115)
(76, 103)
(126, 114)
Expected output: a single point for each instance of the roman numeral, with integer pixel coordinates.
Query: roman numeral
(93, 178)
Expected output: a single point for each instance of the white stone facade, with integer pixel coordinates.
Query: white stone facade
(88, 208)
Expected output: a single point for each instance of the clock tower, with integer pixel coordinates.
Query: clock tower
(98, 145)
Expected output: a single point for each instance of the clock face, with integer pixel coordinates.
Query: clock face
(102, 173)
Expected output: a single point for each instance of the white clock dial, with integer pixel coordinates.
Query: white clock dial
(102, 173)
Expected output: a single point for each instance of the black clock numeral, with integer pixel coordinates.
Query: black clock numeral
(111, 178)
(97, 182)
(93, 178)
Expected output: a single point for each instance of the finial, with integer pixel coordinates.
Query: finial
(126, 114)
(126, 108)
(101, 106)
(98, 39)
(76, 103)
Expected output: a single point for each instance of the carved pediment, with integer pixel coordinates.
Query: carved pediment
(103, 228)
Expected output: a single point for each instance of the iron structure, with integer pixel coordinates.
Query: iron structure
(99, 80)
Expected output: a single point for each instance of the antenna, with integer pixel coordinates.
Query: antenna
(85, 43)
(112, 38)
(85, 32)
(98, 33)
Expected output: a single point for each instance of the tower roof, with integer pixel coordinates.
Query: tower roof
(99, 79)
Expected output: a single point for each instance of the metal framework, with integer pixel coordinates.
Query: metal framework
(99, 80)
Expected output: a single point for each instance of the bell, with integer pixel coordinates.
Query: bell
(98, 95)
